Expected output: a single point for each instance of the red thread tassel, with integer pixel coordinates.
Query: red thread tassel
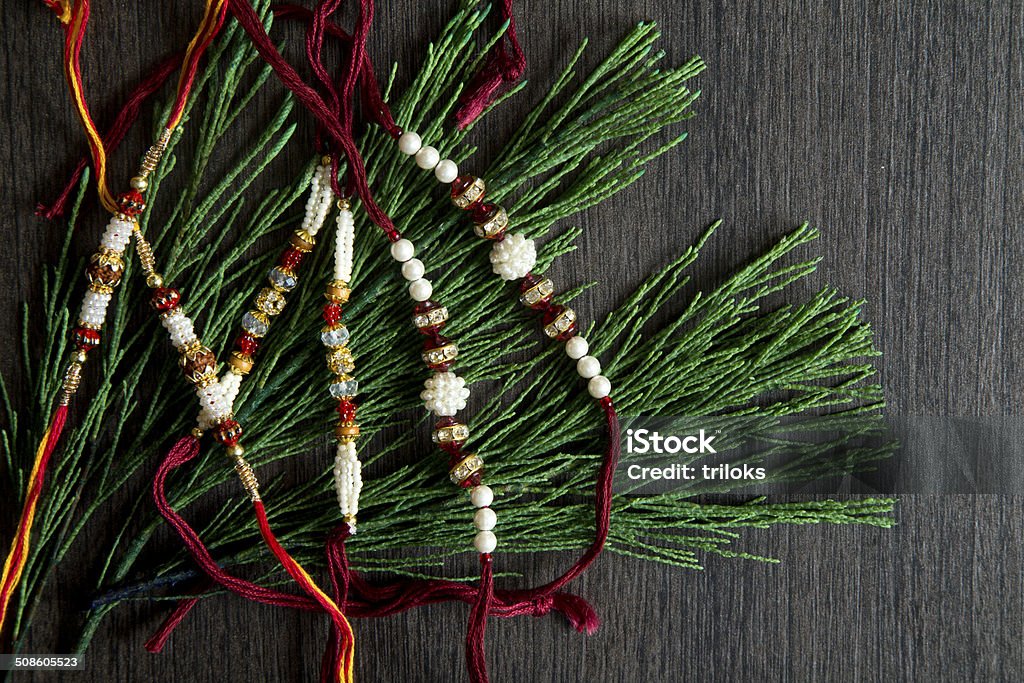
(504, 66)
(476, 655)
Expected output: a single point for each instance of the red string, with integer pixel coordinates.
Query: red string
(14, 565)
(342, 137)
(369, 600)
(156, 643)
(153, 81)
(476, 656)
(504, 66)
(186, 449)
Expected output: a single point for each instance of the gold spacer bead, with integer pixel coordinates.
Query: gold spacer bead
(325, 159)
(236, 451)
(338, 291)
(139, 183)
(154, 280)
(241, 364)
(346, 432)
(197, 432)
(80, 356)
(344, 204)
(302, 240)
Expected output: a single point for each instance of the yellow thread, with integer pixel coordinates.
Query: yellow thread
(10, 569)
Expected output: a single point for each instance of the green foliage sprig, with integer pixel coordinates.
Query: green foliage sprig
(725, 352)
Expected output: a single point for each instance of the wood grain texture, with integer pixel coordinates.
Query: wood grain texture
(895, 127)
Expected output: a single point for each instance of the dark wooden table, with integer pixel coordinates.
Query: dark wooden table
(895, 127)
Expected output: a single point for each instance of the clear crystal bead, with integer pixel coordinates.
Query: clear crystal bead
(254, 325)
(282, 279)
(345, 388)
(334, 336)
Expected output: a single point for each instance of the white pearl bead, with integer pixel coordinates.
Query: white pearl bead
(421, 289)
(599, 386)
(577, 347)
(588, 367)
(485, 542)
(402, 250)
(409, 143)
(427, 158)
(485, 519)
(446, 171)
(481, 496)
(413, 269)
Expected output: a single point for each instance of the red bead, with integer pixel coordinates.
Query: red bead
(346, 410)
(291, 258)
(461, 184)
(131, 203)
(452, 448)
(85, 338)
(473, 480)
(228, 433)
(424, 308)
(247, 344)
(165, 299)
(436, 354)
(332, 313)
(459, 187)
(550, 314)
(484, 212)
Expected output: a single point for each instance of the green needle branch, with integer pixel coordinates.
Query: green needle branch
(724, 352)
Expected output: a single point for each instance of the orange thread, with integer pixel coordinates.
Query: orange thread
(346, 664)
(18, 556)
(213, 19)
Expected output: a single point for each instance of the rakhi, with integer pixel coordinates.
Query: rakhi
(106, 266)
(197, 362)
(444, 388)
(217, 396)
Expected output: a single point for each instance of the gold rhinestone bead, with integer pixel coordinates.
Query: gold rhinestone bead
(88, 326)
(340, 361)
(241, 364)
(270, 301)
(560, 324)
(432, 318)
(540, 291)
(440, 355)
(450, 433)
(494, 227)
(465, 469)
(472, 193)
(302, 240)
(100, 288)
